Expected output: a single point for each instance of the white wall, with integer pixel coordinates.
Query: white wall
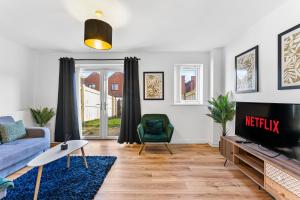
(191, 124)
(30, 79)
(264, 33)
(217, 87)
(16, 80)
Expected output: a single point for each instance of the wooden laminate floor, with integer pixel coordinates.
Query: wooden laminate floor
(194, 171)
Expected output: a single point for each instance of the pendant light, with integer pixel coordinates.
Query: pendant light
(97, 34)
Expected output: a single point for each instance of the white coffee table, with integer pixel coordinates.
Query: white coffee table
(53, 154)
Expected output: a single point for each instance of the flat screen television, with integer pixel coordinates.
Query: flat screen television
(275, 126)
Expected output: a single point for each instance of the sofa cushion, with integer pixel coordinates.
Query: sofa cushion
(18, 150)
(5, 119)
(154, 126)
(12, 131)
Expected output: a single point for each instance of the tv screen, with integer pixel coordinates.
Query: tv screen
(273, 125)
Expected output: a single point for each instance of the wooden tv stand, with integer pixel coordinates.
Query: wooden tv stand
(279, 176)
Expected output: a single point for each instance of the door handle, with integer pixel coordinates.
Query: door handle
(102, 105)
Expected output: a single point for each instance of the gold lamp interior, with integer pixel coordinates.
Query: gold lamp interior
(97, 44)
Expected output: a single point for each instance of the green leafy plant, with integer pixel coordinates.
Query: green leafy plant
(221, 110)
(42, 116)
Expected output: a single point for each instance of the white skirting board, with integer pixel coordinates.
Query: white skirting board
(189, 141)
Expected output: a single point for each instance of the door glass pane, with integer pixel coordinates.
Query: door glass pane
(114, 102)
(90, 92)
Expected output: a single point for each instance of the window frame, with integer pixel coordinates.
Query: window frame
(177, 84)
(114, 88)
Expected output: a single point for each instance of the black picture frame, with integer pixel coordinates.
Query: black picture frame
(163, 85)
(256, 89)
(280, 35)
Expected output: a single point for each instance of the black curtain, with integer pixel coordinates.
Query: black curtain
(131, 111)
(66, 113)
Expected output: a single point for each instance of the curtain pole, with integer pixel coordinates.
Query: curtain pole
(104, 59)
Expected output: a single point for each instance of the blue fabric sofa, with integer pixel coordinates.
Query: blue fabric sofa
(15, 155)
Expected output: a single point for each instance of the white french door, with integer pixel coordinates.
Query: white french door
(100, 98)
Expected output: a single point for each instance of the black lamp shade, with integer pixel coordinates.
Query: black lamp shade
(97, 34)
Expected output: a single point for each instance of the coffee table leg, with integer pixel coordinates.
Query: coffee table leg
(84, 158)
(68, 161)
(37, 184)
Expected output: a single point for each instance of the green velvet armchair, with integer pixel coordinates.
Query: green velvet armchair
(155, 128)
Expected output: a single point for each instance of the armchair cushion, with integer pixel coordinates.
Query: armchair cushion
(154, 126)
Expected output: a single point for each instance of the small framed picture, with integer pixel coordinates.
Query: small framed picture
(153, 85)
(289, 59)
(246, 68)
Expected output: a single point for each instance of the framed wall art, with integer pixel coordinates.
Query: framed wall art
(289, 59)
(153, 85)
(246, 67)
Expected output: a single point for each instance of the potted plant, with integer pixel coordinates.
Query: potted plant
(221, 110)
(42, 116)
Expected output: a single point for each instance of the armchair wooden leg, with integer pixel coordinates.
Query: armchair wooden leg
(68, 161)
(225, 162)
(141, 149)
(168, 149)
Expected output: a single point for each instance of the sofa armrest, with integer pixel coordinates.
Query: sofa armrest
(140, 130)
(170, 130)
(38, 132)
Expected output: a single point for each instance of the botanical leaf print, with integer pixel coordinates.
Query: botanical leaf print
(153, 85)
(246, 71)
(291, 59)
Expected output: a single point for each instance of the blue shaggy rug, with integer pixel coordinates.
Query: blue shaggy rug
(60, 183)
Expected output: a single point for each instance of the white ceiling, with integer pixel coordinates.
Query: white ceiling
(139, 25)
